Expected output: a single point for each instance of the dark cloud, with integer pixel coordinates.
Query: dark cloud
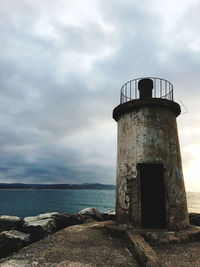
(61, 69)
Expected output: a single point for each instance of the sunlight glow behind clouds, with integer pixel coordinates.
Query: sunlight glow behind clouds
(191, 172)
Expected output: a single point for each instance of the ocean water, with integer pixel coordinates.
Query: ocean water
(31, 202)
(193, 200)
(25, 202)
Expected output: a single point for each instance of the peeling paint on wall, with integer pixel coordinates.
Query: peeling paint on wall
(149, 135)
(123, 197)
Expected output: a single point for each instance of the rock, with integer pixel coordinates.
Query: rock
(12, 241)
(61, 221)
(65, 220)
(10, 222)
(34, 220)
(48, 223)
(109, 215)
(194, 218)
(41, 225)
(76, 219)
(91, 214)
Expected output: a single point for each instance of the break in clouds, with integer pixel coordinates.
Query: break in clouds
(61, 68)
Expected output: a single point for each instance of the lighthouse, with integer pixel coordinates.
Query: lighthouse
(150, 191)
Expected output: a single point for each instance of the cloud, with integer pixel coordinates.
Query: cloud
(62, 66)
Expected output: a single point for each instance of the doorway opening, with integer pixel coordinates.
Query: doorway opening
(152, 195)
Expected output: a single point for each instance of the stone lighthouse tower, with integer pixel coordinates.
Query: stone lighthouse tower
(150, 190)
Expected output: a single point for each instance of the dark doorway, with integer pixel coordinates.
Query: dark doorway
(152, 196)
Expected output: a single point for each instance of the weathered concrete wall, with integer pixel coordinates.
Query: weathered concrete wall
(149, 135)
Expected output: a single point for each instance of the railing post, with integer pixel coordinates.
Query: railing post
(135, 89)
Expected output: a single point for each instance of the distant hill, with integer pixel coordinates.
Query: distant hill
(56, 186)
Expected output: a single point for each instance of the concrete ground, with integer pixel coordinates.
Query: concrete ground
(76, 246)
(179, 255)
(90, 245)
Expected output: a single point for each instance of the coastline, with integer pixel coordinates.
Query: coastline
(91, 240)
(16, 232)
(57, 186)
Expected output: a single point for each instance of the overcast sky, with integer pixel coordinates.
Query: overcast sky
(62, 64)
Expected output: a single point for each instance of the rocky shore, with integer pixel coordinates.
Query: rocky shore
(16, 233)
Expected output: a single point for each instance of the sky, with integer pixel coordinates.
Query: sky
(62, 64)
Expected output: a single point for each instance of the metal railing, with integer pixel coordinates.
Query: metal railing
(161, 89)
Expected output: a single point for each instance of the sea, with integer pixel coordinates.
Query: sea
(31, 202)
